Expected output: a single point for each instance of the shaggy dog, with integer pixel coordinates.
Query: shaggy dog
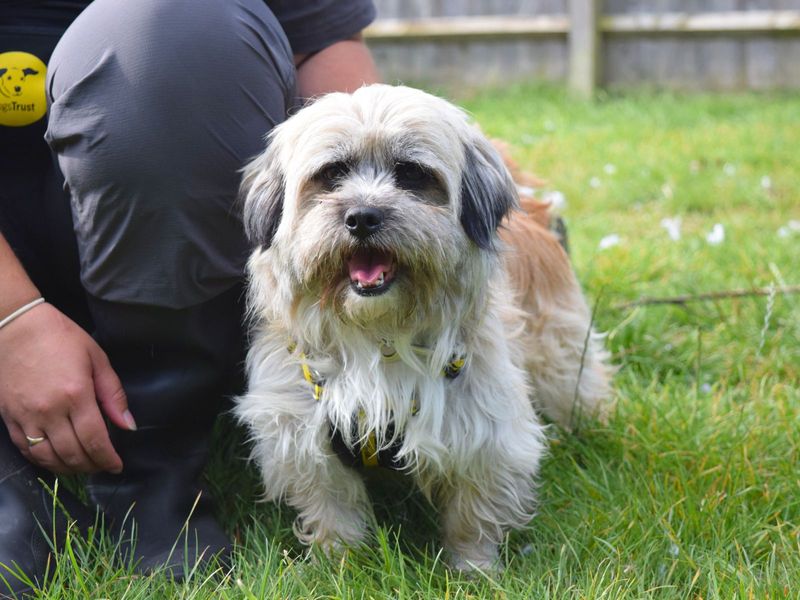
(394, 325)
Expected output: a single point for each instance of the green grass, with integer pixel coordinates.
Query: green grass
(693, 488)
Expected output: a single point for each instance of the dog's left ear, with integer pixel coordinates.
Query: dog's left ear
(487, 192)
(28, 71)
(261, 192)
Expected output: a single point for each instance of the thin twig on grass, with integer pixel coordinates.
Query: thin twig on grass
(722, 295)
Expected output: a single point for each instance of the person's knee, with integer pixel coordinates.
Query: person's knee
(155, 107)
(146, 76)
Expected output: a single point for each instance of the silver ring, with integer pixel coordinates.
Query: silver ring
(32, 441)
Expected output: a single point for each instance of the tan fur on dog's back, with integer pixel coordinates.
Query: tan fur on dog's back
(535, 261)
(519, 176)
(553, 310)
(555, 320)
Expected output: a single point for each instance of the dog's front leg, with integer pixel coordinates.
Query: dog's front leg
(489, 491)
(299, 467)
(474, 521)
(467, 545)
(333, 508)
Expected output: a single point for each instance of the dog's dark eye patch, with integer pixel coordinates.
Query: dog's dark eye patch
(331, 175)
(413, 176)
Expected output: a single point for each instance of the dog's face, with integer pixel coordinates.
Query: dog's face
(12, 80)
(380, 204)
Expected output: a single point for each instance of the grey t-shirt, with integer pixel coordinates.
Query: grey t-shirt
(316, 24)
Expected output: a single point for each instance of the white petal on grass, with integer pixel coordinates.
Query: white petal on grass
(729, 169)
(556, 199)
(694, 167)
(609, 241)
(524, 190)
(549, 125)
(673, 227)
(766, 182)
(717, 235)
(595, 182)
(666, 191)
(788, 229)
(610, 169)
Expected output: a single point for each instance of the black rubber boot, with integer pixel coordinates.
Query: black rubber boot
(176, 367)
(32, 524)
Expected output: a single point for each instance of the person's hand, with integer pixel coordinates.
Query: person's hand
(54, 380)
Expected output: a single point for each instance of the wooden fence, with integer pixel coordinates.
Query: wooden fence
(445, 41)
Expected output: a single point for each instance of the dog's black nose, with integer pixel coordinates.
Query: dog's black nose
(363, 221)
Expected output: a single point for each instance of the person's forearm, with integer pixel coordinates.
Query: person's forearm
(16, 288)
(342, 67)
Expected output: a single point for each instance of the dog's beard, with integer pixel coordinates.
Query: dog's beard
(416, 272)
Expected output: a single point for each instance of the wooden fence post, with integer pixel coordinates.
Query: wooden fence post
(584, 46)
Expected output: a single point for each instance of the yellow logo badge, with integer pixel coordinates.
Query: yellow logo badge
(22, 97)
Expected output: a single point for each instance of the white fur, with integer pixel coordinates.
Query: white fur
(475, 444)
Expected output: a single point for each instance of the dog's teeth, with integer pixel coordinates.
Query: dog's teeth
(377, 283)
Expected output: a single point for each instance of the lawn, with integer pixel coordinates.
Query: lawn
(692, 490)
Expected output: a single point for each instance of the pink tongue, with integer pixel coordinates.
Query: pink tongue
(366, 267)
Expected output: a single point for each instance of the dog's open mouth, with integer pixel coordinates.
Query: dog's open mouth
(371, 271)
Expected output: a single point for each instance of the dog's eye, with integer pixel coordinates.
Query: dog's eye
(410, 175)
(330, 175)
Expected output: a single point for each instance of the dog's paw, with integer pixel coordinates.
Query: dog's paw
(325, 551)
(474, 563)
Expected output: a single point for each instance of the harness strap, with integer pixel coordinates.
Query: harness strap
(310, 377)
(369, 454)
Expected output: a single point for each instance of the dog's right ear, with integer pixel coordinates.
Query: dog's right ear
(261, 192)
(487, 192)
(2, 71)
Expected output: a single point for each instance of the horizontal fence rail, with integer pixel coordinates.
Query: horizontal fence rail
(585, 29)
(500, 27)
(466, 27)
(719, 22)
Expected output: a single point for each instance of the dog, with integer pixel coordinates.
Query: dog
(12, 80)
(407, 314)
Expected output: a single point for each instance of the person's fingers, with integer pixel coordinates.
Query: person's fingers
(18, 437)
(43, 455)
(55, 374)
(109, 392)
(62, 439)
(40, 453)
(91, 431)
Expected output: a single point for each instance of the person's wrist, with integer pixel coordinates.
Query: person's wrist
(15, 314)
(19, 292)
(18, 322)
